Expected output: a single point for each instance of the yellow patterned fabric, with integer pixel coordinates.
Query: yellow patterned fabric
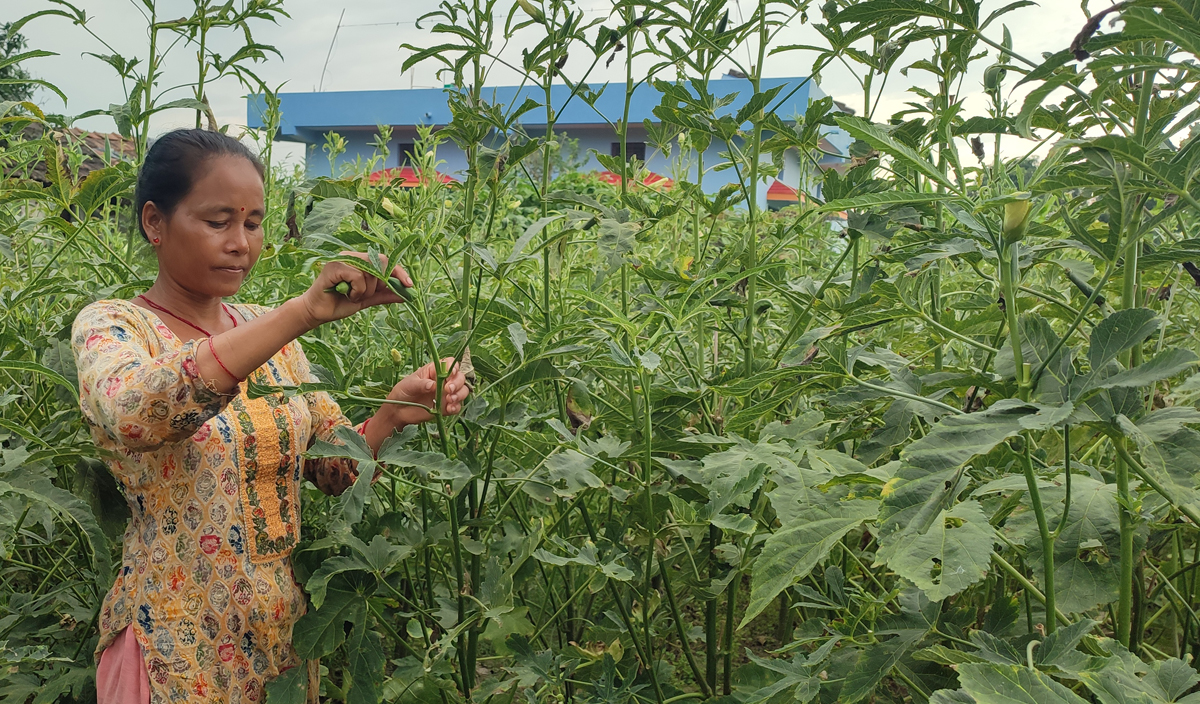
(213, 483)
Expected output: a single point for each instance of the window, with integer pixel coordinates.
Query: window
(632, 150)
(404, 152)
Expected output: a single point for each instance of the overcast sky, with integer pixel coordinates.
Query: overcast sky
(367, 55)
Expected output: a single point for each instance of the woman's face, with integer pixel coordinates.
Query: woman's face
(208, 245)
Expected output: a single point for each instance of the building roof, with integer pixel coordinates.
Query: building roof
(306, 116)
(99, 149)
(406, 177)
(781, 191)
(650, 179)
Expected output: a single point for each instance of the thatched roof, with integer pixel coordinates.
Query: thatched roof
(94, 145)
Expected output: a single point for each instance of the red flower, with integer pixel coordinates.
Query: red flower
(225, 651)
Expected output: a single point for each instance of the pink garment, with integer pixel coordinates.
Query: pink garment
(121, 676)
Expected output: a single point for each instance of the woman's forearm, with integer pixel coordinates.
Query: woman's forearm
(380, 426)
(251, 344)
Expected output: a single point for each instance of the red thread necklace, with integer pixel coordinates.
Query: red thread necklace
(184, 320)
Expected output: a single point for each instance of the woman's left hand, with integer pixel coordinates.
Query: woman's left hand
(420, 387)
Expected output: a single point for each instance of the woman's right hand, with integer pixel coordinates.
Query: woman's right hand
(365, 291)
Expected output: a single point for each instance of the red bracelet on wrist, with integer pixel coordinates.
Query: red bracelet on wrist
(224, 368)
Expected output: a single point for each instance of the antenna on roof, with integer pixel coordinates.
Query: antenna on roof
(321, 84)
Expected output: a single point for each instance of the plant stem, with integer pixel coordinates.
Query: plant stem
(684, 644)
(727, 647)
(1035, 500)
(1124, 625)
(1027, 586)
(624, 612)
(710, 612)
(1010, 273)
(752, 204)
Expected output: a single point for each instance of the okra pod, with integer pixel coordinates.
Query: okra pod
(397, 287)
(1083, 287)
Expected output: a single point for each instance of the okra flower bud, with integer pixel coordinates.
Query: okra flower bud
(531, 10)
(993, 76)
(1016, 220)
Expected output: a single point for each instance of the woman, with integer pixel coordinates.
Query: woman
(204, 603)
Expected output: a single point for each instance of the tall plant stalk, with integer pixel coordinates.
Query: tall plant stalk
(1010, 274)
(753, 215)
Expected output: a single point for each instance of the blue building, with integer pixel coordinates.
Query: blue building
(355, 116)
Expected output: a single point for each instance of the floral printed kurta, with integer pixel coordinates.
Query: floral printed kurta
(212, 481)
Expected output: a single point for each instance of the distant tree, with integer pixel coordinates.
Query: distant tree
(565, 157)
(11, 44)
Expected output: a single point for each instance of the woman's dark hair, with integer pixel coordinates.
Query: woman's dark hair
(173, 164)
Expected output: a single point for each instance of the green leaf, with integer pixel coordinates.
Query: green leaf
(320, 631)
(1060, 646)
(1035, 98)
(1086, 573)
(1172, 678)
(885, 199)
(989, 683)
(951, 696)
(944, 655)
(732, 475)
(1164, 366)
(917, 616)
(67, 679)
(39, 489)
(22, 366)
(428, 464)
(956, 439)
(327, 216)
(804, 539)
(1170, 451)
(879, 138)
(523, 241)
(518, 337)
(1172, 23)
(942, 250)
(378, 557)
(364, 651)
(352, 502)
(952, 555)
(101, 186)
(499, 628)
(571, 469)
(532, 666)
(893, 12)
(336, 565)
(874, 663)
(1120, 331)
(1122, 678)
(290, 687)
(800, 675)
